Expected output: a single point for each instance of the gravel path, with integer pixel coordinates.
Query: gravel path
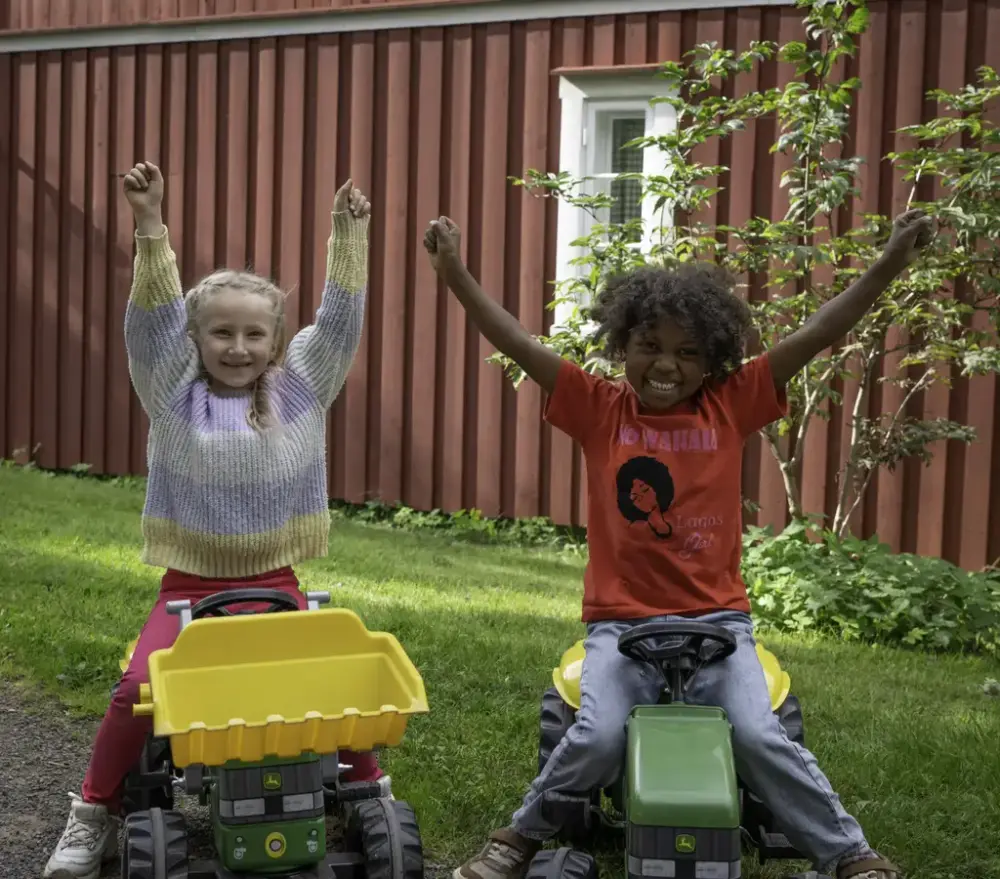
(43, 758)
(43, 755)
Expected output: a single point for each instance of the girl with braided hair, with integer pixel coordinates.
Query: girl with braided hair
(237, 489)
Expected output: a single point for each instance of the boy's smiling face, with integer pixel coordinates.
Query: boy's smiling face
(663, 364)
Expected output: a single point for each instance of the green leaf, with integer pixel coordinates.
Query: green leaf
(859, 20)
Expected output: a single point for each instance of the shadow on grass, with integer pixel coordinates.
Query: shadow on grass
(456, 562)
(68, 620)
(356, 553)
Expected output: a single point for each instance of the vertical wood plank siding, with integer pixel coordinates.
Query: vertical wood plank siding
(253, 137)
(16, 15)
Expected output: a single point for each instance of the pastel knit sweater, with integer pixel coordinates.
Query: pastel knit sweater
(224, 500)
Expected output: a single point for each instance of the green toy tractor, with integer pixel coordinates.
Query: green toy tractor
(684, 812)
(250, 711)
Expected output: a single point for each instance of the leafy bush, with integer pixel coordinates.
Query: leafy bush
(862, 591)
(470, 526)
(858, 590)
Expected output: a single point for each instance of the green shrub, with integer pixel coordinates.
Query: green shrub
(858, 590)
(862, 591)
(470, 526)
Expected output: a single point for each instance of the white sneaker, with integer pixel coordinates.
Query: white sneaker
(90, 839)
(385, 788)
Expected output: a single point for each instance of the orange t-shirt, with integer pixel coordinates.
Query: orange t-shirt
(664, 520)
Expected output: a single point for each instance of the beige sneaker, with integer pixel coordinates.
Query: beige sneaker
(89, 840)
(506, 856)
(871, 867)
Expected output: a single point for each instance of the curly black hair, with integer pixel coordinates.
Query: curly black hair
(698, 296)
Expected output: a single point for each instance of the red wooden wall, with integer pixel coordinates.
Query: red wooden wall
(40, 14)
(254, 135)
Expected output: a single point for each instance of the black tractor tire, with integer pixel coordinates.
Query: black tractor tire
(155, 846)
(562, 863)
(790, 715)
(155, 758)
(385, 832)
(557, 716)
(578, 820)
(756, 817)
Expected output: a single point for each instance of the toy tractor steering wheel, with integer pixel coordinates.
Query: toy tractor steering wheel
(675, 648)
(218, 605)
(684, 640)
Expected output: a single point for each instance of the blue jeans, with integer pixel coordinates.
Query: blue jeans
(783, 774)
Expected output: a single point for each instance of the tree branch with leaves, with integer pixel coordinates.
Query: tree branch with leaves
(802, 259)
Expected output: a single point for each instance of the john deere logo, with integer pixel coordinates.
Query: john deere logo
(272, 781)
(684, 843)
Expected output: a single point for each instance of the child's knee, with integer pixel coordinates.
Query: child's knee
(126, 692)
(755, 740)
(601, 745)
(364, 766)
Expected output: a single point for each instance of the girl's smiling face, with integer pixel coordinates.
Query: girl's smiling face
(235, 334)
(664, 365)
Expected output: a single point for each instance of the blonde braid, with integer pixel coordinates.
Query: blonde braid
(259, 414)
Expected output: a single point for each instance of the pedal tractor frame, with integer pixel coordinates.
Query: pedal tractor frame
(679, 802)
(250, 712)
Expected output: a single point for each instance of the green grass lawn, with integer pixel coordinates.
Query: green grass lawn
(909, 740)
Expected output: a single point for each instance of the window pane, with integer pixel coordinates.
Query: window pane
(627, 193)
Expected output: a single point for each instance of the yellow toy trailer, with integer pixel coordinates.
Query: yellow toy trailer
(249, 713)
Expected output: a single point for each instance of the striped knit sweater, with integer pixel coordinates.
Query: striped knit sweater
(224, 500)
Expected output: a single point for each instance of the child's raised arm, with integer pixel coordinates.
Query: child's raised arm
(911, 232)
(497, 325)
(161, 356)
(322, 352)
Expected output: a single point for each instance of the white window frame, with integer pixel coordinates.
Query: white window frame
(588, 102)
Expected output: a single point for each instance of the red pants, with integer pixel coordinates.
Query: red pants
(121, 736)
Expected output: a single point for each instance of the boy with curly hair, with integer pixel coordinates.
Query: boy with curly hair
(664, 452)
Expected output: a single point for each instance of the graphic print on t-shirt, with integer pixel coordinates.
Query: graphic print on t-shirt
(645, 493)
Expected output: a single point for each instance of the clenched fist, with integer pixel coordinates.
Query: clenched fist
(350, 199)
(912, 231)
(442, 241)
(144, 190)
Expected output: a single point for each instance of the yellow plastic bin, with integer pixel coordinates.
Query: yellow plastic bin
(566, 676)
(280, 684)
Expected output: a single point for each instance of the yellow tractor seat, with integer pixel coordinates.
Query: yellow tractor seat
(566, 676)
(123, 663)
